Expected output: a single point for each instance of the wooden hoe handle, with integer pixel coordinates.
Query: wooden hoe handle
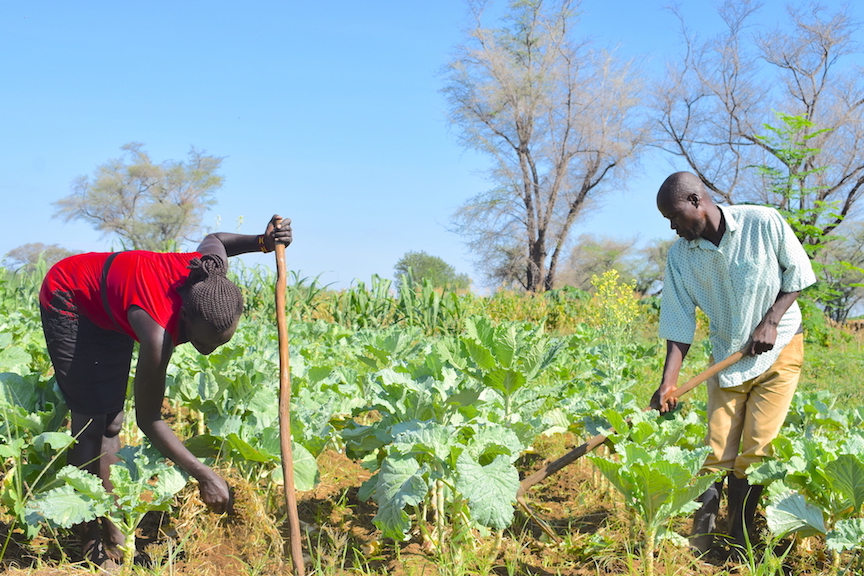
(285, 414)
(708, 373)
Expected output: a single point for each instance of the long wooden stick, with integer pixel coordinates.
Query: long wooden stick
(285, 414)
(591, 444)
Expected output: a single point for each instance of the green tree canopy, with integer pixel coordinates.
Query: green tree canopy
(149, 206)
(420, 266)
(592, 255)
(842, 268)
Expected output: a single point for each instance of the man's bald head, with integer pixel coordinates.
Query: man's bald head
(679, 187)
(684, 201)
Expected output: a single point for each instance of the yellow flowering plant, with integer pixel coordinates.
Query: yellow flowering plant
(612, 313)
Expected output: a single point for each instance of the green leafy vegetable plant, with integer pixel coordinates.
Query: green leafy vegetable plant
(439, 446)
(464, 477)
(509, 361)
(143, 482)
(816, 476)
(30, 449)
(657, 479)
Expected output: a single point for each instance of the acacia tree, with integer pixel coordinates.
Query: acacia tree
(149, 206)
(716, 109)
(556, 117)
(27, 256)
(592, 255)
(649, 266)
(420, 266)
(842, 266)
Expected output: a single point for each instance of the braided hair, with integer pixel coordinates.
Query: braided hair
(210, 295)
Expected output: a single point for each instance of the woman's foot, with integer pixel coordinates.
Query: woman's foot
(95, 553)
(114, 539)
(94, 549)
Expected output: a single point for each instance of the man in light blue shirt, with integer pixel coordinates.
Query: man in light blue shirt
(743, 267)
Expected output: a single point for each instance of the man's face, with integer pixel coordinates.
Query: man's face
(685, 216)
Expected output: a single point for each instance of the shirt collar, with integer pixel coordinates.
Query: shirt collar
(731, 222)
(731, 226)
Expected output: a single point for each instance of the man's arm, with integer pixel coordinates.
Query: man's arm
(663, 399)
(153, 356)
(765, 334)
(226, 244)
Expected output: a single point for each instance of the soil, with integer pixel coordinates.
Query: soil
(586, 516)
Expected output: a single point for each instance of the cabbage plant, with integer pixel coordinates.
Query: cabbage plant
(143, 482)
(816, 483)
(657, 479)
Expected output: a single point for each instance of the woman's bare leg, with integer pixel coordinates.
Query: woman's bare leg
(95, 450)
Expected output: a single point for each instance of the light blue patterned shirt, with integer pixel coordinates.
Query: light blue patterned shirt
(734, 284)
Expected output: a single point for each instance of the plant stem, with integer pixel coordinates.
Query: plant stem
(439, 495)
(421, 524)
(835, 563)
(6, 541)
(648, 551)
(499, 537)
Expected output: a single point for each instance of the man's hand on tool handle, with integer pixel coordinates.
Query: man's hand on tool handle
(762, 340)
(664, 398)
(764, 337)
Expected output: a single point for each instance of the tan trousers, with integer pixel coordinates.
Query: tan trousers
(743, 420)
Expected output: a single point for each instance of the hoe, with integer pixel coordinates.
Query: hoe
(597, 440)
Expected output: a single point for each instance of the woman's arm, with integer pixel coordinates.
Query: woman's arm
(226, 244)
(153, 356)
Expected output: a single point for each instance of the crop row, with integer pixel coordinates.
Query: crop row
(439, 417)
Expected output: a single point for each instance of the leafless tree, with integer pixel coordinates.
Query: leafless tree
(649, 266)
(715, 105)
(557, 118)
(150, 206)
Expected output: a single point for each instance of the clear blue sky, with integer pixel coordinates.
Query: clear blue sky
(326, 112)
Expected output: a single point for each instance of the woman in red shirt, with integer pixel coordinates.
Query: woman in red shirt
(94, 306)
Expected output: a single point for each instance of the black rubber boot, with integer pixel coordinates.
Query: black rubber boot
(743, 500)
(705, 519)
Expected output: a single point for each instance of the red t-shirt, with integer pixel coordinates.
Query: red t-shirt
(149, 280)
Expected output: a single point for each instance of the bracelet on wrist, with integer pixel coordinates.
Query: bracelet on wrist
(261, 243)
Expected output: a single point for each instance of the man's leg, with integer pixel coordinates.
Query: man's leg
(725, 419)
(770, 396)
(743, 499)
(705, 519)
(768, 404)
(726, 411)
